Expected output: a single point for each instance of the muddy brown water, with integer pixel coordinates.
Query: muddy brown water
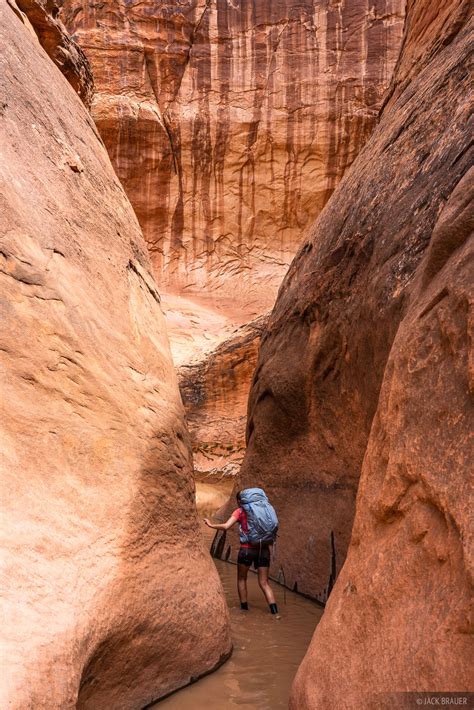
(212, 496)
(266, 654)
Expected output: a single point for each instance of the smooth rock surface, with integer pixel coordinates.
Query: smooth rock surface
(324, 353)
(99, 529)
(399, 618)
(230, 123)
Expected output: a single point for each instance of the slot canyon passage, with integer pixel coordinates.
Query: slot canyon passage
(236, 250)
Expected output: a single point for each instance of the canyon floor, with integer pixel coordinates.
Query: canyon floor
(266, 651)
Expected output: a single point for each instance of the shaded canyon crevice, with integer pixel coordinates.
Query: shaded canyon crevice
(401, 605)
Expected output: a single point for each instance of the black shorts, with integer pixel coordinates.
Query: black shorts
(256, 556)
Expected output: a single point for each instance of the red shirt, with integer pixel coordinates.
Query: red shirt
(241, 516)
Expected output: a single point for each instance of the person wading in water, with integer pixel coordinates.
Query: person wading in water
(258, 528)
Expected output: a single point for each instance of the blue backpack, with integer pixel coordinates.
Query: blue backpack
(261, 517)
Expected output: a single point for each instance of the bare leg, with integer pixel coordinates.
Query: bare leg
(265, 585)
(242, 572)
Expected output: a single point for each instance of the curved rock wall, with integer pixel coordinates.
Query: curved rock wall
(99, 528)
(399, 617)
(230, 123)
(324, 353)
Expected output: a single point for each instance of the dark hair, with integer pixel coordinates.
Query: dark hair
(238, 496)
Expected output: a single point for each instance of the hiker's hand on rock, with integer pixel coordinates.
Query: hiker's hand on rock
(208, 522)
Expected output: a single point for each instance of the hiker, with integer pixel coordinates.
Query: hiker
(258, 528)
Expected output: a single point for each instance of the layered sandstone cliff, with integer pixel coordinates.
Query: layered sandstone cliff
(230, 123)
(99, 529)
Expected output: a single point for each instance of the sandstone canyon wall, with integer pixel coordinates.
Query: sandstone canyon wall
(230, 123)
(99, 529)
(215, 393)
(328, 347)
(41, 17)
(399, 619)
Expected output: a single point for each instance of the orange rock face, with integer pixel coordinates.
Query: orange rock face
(215, 393)
(324, 354)
(42, 17)
(99, 529)
(399, 617)
(230, 123)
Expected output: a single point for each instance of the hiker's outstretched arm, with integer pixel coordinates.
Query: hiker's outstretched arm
(221, 526)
